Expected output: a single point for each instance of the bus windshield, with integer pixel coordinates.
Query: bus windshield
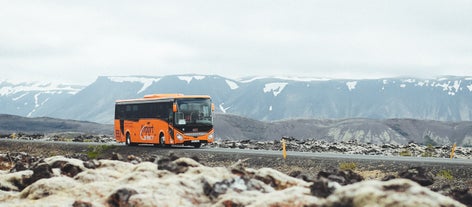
(193, 111)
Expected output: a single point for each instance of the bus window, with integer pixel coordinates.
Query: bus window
(180, 118)
(195, 111)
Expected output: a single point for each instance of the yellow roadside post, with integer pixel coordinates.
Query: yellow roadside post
(453, 149)
(284, 151)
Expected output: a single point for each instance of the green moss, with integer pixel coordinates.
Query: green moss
(447, 174)
(347, 166)
(405, 153)
(94, 151)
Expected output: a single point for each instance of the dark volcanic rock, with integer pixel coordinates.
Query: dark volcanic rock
(388, 177)
(70, 170)
(81, 204)
(167, 164)
(121, 197)
(117, 156)
(19, 166)
(175, 164)
(91, 164)
(321, 188)
(419, 175)
(463, 195)
(40, 171)
(343, 177)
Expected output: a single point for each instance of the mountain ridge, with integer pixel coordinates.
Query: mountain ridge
(447, 98)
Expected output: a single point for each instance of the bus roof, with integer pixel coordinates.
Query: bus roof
(164, 96)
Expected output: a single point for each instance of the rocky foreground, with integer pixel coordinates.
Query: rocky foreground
(76, 179)
(27, 180)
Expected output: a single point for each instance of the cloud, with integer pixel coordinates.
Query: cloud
(77, 41)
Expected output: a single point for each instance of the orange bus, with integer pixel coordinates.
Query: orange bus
(164, 120)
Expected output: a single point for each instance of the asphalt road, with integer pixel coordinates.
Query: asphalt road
(346, 157)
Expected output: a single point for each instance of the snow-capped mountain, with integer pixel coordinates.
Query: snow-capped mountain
(30, 99)
(260, 98)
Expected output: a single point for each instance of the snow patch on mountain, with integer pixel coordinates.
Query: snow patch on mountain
(223, 109)
(286, 78)
(188, 79)
(351, 85)
(450, 87)
(13, 88)
(19, 97)
(232, 84)
(423, 83)
(444, 86)
(457, 85)
(409, 81)
(37, 103)
(275, 88)
(146, 81)
(301, 79)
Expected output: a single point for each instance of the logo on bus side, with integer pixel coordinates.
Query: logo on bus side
(117, 133)
(147, 132)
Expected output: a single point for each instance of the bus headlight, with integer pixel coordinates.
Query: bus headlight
(210, 136)
(180, 137)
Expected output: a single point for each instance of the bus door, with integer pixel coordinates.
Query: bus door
(171, 124)
(122, 125)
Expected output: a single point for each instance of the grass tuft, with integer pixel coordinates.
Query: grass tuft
(406, 153)
(94, 151)
(347, 166)
(447, 174)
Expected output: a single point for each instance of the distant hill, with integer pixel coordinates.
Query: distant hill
(399, 131)
(15, 124)
(261, 98)
(234, 127)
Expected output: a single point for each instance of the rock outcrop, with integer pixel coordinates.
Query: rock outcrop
(181, 181)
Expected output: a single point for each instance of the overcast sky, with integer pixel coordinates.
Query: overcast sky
(76, 41)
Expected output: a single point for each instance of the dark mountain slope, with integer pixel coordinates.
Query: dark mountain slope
(399, 131)
(15, 124)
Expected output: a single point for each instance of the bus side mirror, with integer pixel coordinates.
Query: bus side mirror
(174, 107)
(212, 107)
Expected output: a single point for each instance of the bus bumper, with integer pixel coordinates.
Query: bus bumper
(193, 140)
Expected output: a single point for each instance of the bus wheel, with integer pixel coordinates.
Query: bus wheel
(162, 140)
(198, 145)
(128, 140)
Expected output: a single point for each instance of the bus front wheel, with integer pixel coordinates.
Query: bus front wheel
(162, 141)
(198, 145)
(128, 140)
